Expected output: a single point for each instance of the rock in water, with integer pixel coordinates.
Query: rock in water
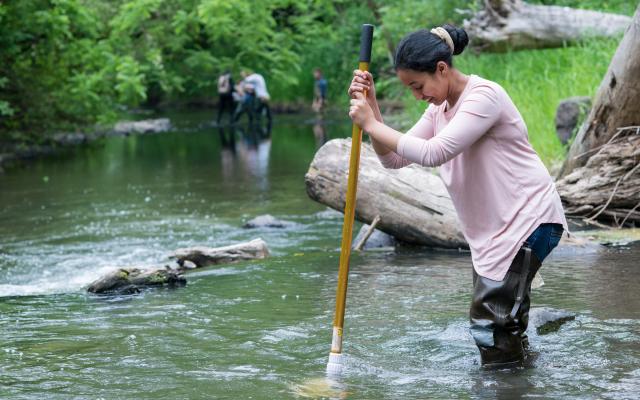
(266, 221)
(547, 320)
(378, 239)
(131, 280)
(147, 126)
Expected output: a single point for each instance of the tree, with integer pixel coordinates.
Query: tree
(600, 174)
(75, 62)
(47, 60)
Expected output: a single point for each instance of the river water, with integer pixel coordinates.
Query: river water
(261, 329)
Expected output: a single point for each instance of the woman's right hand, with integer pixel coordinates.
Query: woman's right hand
(363, 81)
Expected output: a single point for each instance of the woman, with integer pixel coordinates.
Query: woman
(509, 209)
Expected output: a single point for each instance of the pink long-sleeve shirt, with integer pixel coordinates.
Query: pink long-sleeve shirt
(500, 188)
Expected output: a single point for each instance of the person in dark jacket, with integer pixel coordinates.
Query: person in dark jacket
(225, 95)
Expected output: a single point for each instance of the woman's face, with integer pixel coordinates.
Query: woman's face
(432, 88)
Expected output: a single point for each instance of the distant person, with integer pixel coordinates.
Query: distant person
(262, 95)
(246, 94)
(319, 91)
(225, 95)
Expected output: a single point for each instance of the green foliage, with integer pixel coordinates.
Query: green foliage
(43, 46)
(67, 63)
(72, 62)
(5, 108)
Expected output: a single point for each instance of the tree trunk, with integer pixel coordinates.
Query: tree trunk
(412, 202)
(513, 25)
(600, 176)
(617, 102)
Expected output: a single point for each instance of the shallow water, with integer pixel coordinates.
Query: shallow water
(255, 330)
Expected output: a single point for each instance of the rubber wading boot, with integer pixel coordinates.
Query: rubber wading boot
(499, 313)
(507, 352)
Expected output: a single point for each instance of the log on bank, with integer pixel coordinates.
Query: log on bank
(412, 202)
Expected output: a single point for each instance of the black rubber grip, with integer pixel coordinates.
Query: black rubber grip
(366, 39)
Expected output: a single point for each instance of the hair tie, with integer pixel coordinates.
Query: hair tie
(444, 35)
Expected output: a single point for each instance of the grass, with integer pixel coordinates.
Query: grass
(537, 80)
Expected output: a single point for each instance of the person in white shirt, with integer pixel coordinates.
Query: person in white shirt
(246, 97)
(262, 94)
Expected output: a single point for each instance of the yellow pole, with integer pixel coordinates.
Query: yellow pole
(335, 363)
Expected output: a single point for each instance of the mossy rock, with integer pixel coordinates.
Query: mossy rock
(131, 280)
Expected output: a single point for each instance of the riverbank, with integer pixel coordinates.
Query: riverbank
(16, 153)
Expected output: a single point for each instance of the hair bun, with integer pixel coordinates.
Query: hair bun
(459, 38)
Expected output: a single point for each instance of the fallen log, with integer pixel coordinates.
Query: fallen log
(205, 256)
(513, 24)
(131, 280)
(606, 188)
(413, 203)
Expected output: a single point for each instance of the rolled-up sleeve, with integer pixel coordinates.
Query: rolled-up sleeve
(478, 112)
(422, 130)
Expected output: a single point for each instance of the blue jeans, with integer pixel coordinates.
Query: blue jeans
(544, 239)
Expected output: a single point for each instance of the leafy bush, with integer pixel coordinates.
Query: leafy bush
(71, 63)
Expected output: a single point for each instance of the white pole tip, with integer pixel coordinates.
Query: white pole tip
(335, 363)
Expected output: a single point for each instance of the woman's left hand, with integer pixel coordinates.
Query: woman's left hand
(360, 112)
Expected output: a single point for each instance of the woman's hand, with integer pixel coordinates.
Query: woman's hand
(360, 111)
(363, 81)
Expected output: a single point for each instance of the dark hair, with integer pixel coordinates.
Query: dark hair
(421, 50)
